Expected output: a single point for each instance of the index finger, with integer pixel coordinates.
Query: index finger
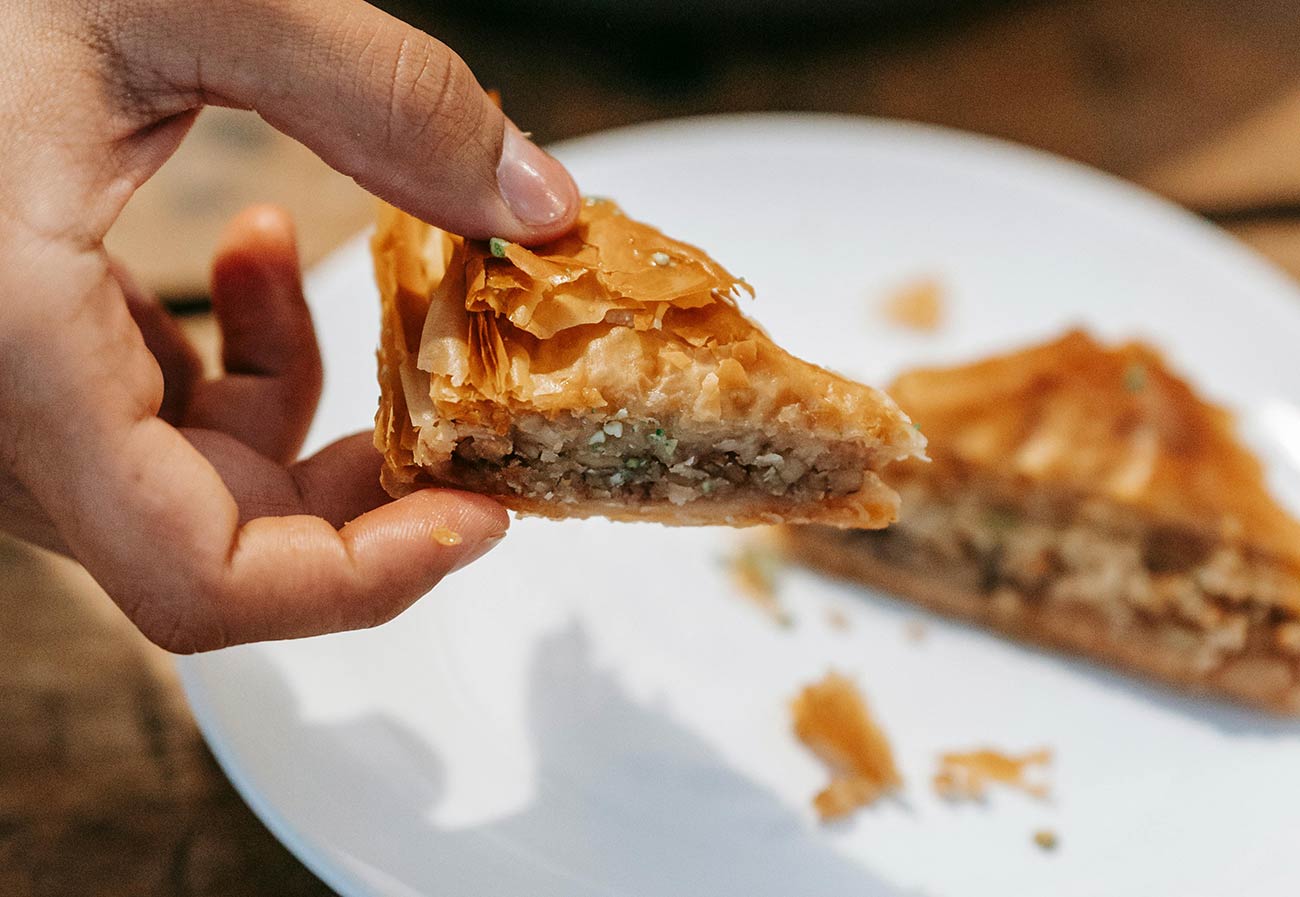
(377, 99)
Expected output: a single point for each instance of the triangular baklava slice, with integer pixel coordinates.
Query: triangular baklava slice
(1086, 498)
(611, 373)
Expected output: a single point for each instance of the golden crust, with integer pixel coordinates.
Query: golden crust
(1110, 423)
(613, 318)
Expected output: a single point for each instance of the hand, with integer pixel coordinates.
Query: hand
(208, 535)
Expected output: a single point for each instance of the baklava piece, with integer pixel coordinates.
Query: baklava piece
(1085, 498)
(611, 373)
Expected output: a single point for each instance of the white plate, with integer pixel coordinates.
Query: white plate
(593, 711)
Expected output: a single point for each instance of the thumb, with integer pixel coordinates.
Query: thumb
(377, 99)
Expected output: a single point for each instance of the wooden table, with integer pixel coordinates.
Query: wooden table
(105, 785)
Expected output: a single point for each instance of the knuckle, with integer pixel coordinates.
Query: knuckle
(430, 96)
(121, 48)
(184, 626)
(173, 632)
(382, 612)
(389, 606)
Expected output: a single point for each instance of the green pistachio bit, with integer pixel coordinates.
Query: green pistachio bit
(1135, 377)
(661, 445)
(1002, 519)
(634, 463)
(497, 247)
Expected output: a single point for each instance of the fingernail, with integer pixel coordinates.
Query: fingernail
(535, 187)
(473, 554)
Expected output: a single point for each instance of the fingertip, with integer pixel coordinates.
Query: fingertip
(267, 219)
(403, 550)
(476, 525)
(266, 327)
(258, 230)
(434, 532)
(537, 189)
(454, 519)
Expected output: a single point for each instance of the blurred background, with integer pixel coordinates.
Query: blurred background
(1197, 99)
(105, 786)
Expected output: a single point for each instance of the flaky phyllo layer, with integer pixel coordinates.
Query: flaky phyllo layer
(612, 372)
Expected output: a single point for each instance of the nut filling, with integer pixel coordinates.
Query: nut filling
(1221, 610)
(631, 461)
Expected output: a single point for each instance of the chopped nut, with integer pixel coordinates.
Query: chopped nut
(1288, 637)
(1135, 377)
(664, 447)
(1002, 519)
(1046, 839)
(1006, 602)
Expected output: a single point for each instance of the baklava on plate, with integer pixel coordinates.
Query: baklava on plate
(1085, 497)
(611, 372)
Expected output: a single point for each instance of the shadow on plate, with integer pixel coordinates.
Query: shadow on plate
(627, 802)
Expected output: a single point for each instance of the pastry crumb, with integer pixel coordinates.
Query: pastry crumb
(917, 306)
(837, 620)
(756, 570)
(832, 719)
(915, 630)
(1046, 839)
(446, 537)
(966, 776)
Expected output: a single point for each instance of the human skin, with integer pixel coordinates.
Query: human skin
(183, 496)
